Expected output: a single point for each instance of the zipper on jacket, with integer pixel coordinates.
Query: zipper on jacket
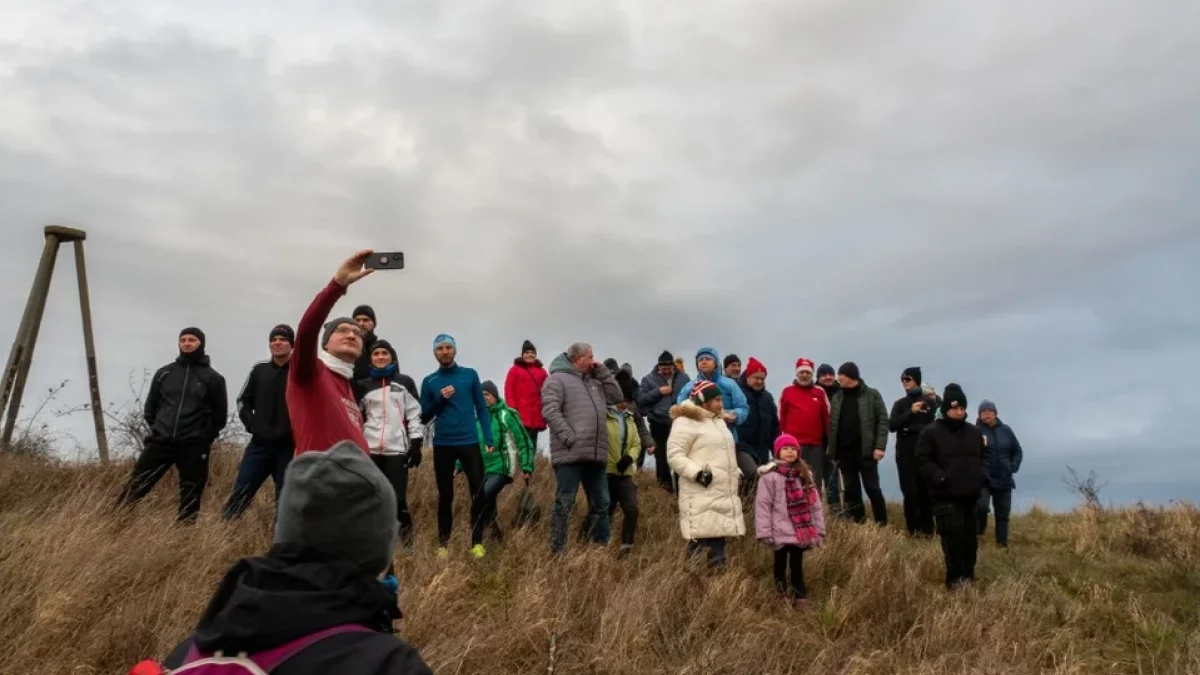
(383, 422)
(179, 407)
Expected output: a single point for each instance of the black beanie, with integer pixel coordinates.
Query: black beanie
(490, 387)
(732, 358)
(194, 332)
(666, 359)
(364, 310)
(825, 369)
(850, 370)
(384, 344)
(953, 394)
(914, 372)
(527, 346)
(612, 365)
(284, 331)
(627, 384)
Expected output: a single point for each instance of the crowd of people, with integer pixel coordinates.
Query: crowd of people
(338, 427)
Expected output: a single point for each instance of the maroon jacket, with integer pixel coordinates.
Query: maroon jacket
(321, 403)
(523, 392)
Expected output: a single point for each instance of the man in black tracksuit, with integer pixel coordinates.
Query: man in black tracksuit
(185, 411)
(911, 413)
(952, 458)
(262, 407)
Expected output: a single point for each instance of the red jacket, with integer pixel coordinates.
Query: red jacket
(804, 413)
(321, 403)
(523, 392)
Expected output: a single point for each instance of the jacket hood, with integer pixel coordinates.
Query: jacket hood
(561, 364)
(264, 602)
(710, 351)
(537, 363)
(691, 411)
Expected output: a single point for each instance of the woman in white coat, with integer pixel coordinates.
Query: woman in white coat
(701, 450)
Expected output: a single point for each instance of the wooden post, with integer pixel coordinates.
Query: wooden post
(21, 356)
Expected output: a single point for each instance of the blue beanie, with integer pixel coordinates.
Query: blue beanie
(444, 338)
(986, 405)
(709, 352)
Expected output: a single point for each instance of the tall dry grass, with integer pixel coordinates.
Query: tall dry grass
(85, 591)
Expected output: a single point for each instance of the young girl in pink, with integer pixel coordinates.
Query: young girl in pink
(788, 515)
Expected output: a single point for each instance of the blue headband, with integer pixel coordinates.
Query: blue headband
(444, 338)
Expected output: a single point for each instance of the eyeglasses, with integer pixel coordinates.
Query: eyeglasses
(906, 379)
(348, 330)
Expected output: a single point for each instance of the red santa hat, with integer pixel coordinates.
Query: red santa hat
(804, 364)
(754, 366)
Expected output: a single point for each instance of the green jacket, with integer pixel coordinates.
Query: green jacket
(514, 449)
(872, 417)
(633, 442)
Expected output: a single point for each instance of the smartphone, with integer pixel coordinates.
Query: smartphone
(386, 261)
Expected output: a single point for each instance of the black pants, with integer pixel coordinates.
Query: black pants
(444, 457)
(533, 436)
(860, 473)
(715, 546)
(622, 493)
(918, 505)
(1002, 501)
(259, 461)
(795, 554)
(395, 469)
(660, 431)
(493, 485)
(191, 461)
(956, 526)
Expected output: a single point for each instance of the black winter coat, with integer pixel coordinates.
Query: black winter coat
(262, 404)
(265, 602)
(187, 402)
(756, 436)
(908, 425)
(952, 461)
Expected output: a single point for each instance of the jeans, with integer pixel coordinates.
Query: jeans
(660, 431)
(568, 477)
(259, 461)
(1002, 500)
(395, 469)
(715, 547)
(191, 461)
(795, 554)
(956, 525)
(862, 473)
(493, 485)
(444, 457)
(918, 505)
(623, 494)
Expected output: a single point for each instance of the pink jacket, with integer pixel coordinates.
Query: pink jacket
(771, 522)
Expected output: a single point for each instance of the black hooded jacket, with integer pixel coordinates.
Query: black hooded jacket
(265, 602)
(187, 403)
(907, 424)
(262, 403)
(756, 436)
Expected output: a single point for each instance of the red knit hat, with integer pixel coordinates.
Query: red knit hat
(704, 391)
(754, 366)
(804, 364)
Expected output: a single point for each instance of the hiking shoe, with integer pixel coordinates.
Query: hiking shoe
(478, 551)
(443, 553)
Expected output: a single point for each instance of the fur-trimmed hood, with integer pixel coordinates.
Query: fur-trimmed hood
(768, 467)
(691, 411)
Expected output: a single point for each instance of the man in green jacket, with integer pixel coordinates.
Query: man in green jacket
(514, 449)
(858, 435)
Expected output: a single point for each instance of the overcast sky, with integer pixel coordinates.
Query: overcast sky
(1004, 195)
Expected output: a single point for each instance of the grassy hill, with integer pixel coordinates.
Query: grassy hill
(85, 592)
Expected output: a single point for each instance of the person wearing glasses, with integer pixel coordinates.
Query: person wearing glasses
(911, 413)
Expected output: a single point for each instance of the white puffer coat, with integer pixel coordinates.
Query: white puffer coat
(698, 439)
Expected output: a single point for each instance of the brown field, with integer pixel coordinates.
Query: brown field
(83, 591)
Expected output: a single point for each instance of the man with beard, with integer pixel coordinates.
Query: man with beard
(827, 381)
(364, 316)
(452, 397)
(733, 367)
(756, 436)
(858, 433)
(185, 412)
(911, 413)
(655, 397)
(804, 414)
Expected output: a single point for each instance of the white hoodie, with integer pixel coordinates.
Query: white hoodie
(392, 418)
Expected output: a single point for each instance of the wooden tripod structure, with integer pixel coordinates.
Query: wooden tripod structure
(21, 355)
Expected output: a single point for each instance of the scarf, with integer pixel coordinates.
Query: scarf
(337, 365)
(799, 506)
(385, 373)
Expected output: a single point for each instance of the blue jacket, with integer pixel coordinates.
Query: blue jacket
(731, 393)
(455, 419)
(1004, 454)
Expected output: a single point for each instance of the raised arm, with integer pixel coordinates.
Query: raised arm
(308, 331)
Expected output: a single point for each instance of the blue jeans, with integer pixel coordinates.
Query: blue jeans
(568, 477)
(259, 461)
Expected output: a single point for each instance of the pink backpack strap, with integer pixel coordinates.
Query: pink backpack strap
(271, 659)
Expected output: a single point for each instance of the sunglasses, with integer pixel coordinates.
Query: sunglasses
(906, 379)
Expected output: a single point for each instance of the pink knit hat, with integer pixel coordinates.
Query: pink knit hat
(786, 441)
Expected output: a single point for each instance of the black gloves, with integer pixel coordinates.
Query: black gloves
(414, 452)
(705, 477)
(624, 463)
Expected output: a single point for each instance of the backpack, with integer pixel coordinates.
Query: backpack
(261, 663)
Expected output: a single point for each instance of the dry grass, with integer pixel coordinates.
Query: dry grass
(83, 591)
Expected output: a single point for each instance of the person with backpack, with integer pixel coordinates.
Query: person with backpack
(393, 429)
(319, 601)
(514, 450)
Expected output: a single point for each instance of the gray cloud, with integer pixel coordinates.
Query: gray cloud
(1006, 199)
